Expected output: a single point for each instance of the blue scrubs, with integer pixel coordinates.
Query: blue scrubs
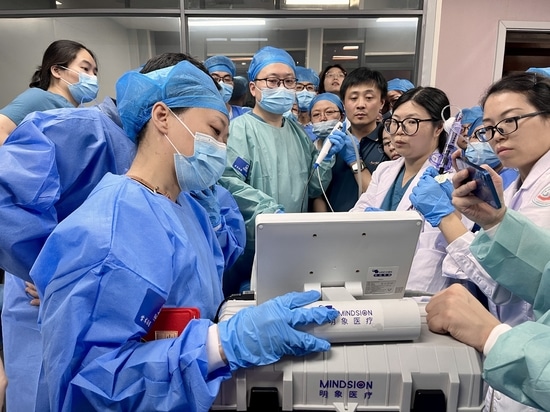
(31, 100)
(120, 257)
(237, 111)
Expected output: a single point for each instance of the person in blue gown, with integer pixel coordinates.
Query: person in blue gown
(139, 243)
(61, 155)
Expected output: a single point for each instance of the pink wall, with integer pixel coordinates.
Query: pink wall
(468, 40)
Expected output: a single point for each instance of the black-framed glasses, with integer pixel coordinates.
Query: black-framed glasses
(504, 127)
(307, 86)
(228, 79)
(274, 82)
(327, 114)
(409, 125)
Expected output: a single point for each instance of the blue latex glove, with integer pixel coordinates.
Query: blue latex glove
(209, 201)
(348, 151)
(373, 209)
(431, 199)
(338, 140)
(447, 186)
(261, 335)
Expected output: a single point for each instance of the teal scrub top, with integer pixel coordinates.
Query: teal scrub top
(518, 257)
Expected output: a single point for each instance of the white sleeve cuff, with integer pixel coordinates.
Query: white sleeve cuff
(213, 355)
(492, 231)
(494, 335)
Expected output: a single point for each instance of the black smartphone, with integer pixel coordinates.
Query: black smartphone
(485, 188)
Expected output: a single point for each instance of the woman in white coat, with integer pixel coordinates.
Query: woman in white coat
(516, 119)
(416, 129)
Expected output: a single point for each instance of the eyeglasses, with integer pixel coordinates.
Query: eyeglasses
(504, 127)
(309, 87)
(335, 75)
(409, 125)
(225, 79)
(274, 82)
(327, 114)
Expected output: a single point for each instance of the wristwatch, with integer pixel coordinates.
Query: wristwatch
(356, 169)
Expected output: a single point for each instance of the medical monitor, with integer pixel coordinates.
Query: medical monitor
(372, 250)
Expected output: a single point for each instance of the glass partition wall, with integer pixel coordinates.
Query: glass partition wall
(385, 35)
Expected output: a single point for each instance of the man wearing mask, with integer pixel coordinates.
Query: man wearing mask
(223, 70)
(270, 159)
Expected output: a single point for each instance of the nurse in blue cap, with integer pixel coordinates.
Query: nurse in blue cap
(222, 69)
(140, 243)
(396, 87)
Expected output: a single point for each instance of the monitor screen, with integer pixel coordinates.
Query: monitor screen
(302, 251)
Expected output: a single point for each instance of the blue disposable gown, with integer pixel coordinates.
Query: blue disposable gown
(120, 257)
(232, 233)
(518, 258)
(55, 159)
(51, 162)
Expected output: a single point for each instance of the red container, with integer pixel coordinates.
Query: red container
(171, 322)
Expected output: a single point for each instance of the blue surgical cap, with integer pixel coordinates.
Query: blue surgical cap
(181, 85)
(305, 75)
(331, 97)
(478, 121)
(469, 115)
(266, 56)
(220, 64)
(400, 85)
(543, 71)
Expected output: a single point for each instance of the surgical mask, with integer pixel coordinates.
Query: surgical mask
(289, 114)
(304, 99)
(85, 90)
(277, 101)
(481, 153)
(205, 167)
(323, 129)
(226, 91)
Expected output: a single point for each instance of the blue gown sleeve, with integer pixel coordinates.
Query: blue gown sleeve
(29, 188)
(51, 162)
(101, 297)
(232, 233)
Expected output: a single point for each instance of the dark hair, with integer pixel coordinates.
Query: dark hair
(324, 74)
(59, 53)
(167, 60)
(363, 75)
(436, 103)
(533, 86)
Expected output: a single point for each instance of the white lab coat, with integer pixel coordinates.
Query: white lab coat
(426, 273)
(531, 199)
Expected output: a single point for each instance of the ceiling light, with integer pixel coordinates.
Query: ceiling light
(207, 22)
(216, 39)
(344, 57)
(249, 38)
(317, 2)
(240, 59)
(350, 48)
(58, 3)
